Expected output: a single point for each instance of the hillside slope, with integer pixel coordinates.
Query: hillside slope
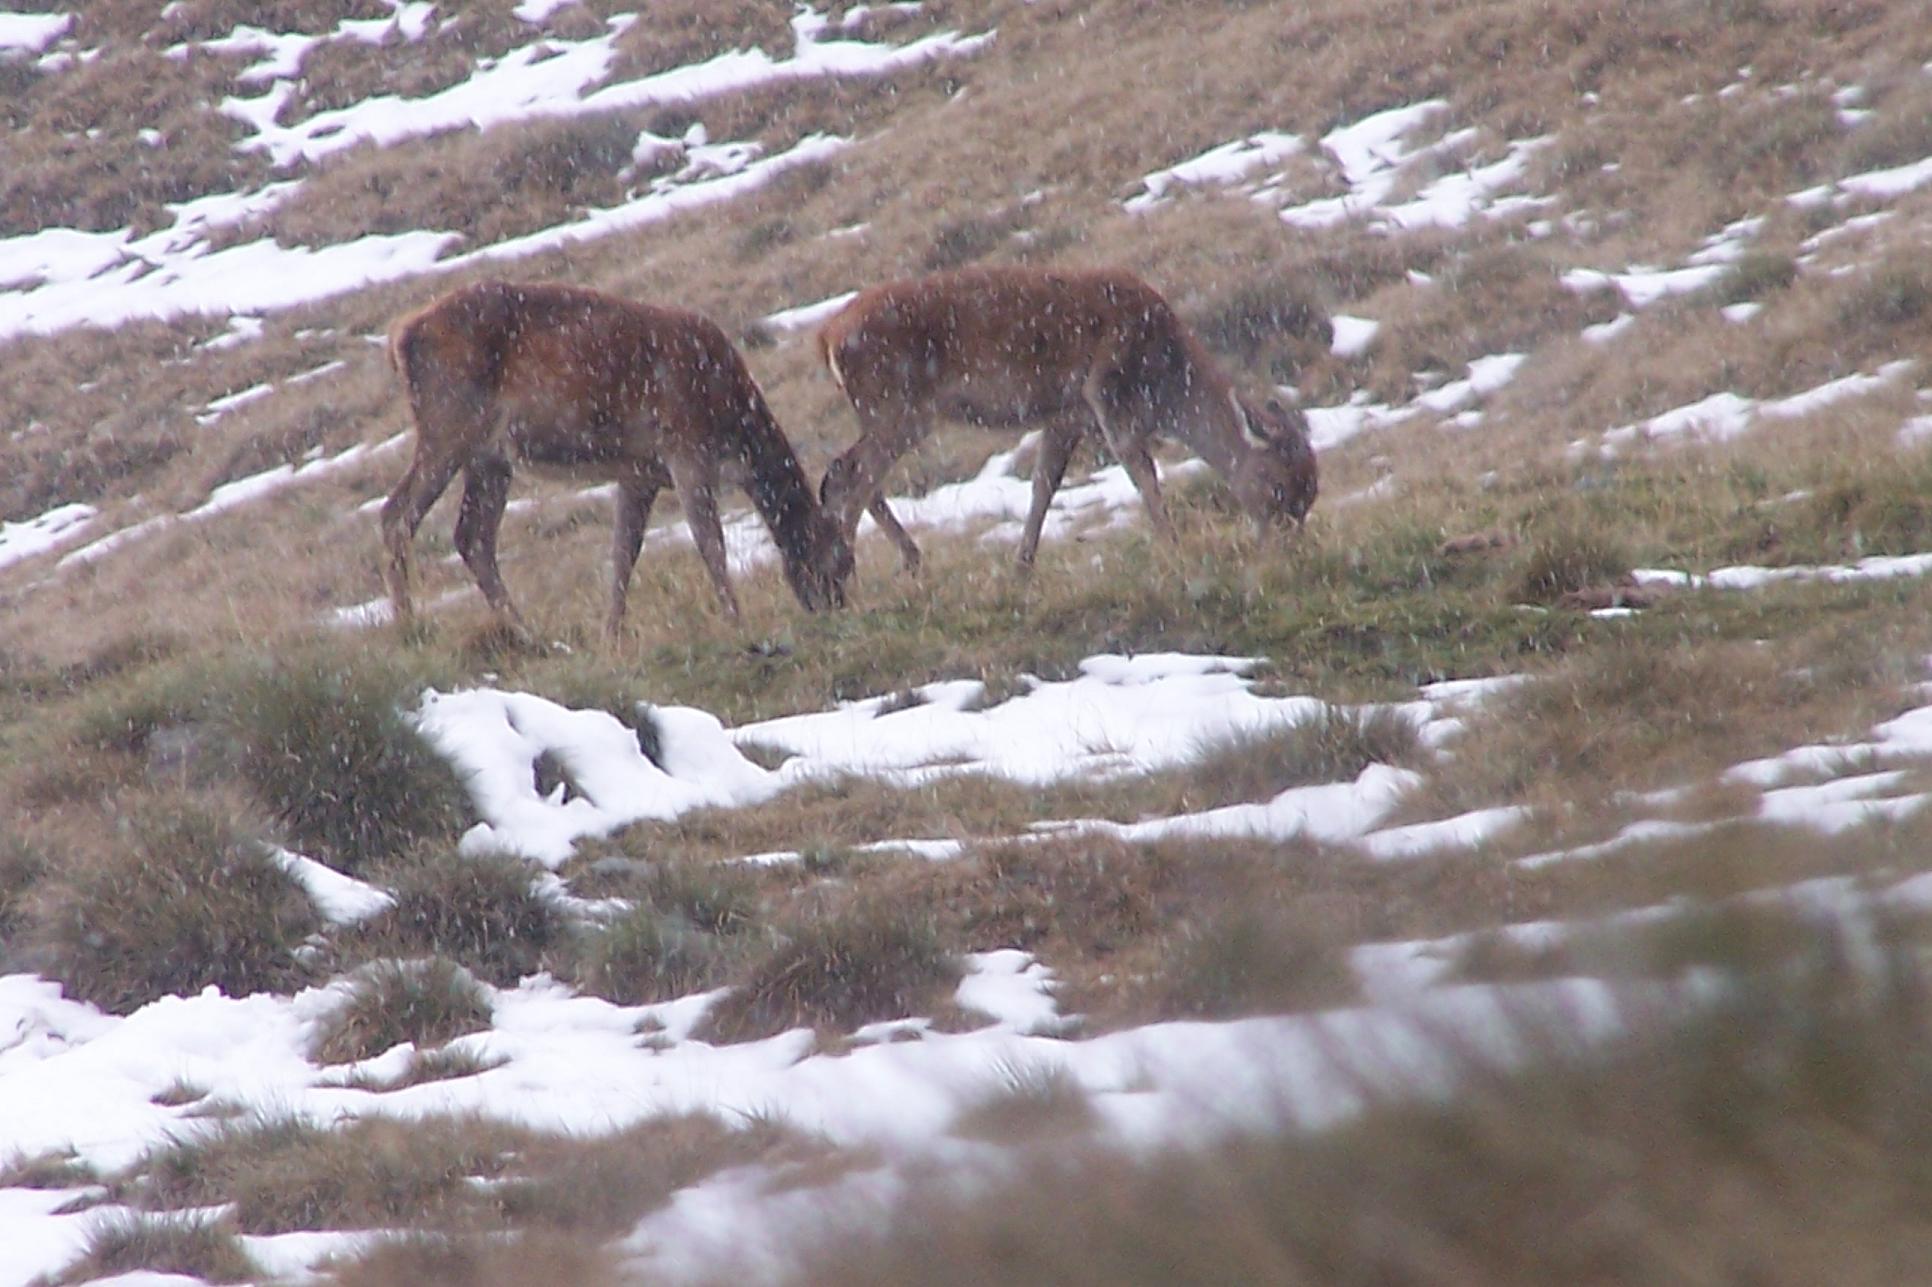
(1548, 815)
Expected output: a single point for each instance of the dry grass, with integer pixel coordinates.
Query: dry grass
(283, 1174)
(482, 911)
(186, 1245)
(427, 1003)
(111, 677)
(1027, 1102)
(1690, 1154)
(181, 897)
(838, 969)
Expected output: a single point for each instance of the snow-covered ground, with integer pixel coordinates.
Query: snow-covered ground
(74, 1078)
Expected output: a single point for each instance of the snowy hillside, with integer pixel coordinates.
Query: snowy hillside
(1587, 718)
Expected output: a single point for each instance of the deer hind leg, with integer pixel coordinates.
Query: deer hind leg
(1057, 443)
(426, 479)
(697, 485)
(486, 491)
(635, 495)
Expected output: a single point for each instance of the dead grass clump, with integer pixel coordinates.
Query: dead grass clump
(674, 33)
(1333, 744)
(1884, 509)
(1264, 323)
(132, 1243)
(1028, 1101)
(601, 1186)
(426, 1003)
(1494, 298)
(1253, 958)
(480, 1260)
(182, 898)
(482, 910)
(445, 1063)
(1899, 133)
(648, 955)
(537, 174)
(1568, 558)
(22, 865)
(284, 1173)
(330, 751)
(53, 1169)
(1616, 715)
(82, 161)
(1694, 1144)
(837, 970)
(1891, 292)
(1754, 275)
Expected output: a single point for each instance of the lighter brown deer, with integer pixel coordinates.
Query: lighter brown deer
(1066, 350)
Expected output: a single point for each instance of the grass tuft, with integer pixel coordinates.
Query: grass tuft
(146, 1244)
(427, 1003)
(1028, 1101)
(180, 899)
(331, 753)
(838, 970)
(482, 910)
(646, 955)
(1569, 559)
(1253, 958)
(1694, 1144)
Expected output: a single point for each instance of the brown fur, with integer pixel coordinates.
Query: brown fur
(567, 378)
(1065, 349)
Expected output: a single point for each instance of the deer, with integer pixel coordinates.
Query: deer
(591, 386)
(1069, 350)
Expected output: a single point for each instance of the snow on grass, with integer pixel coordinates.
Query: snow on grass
(805, 316)
(1726, 415)
(1373, 154)
(227, 496)
(1878, 567)
(1352, 335)
(559, 78)
(1122, 716)
(59, 278)
(1226, 164)
(49, 531)
(1370, 159)
(32, 32)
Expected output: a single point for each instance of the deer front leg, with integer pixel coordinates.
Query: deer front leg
(486, 491)
(635, 496)
(697, 486)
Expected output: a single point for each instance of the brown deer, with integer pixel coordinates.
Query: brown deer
(594, 386)
(1068, 350)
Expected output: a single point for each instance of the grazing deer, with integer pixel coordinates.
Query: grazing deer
(594, 386)
(1065, 349)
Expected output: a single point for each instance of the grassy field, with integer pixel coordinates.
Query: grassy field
(1703, 205)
